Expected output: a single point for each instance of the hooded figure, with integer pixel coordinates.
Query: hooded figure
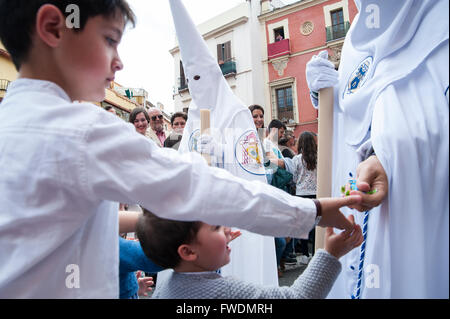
(392, 95)
(253, 256)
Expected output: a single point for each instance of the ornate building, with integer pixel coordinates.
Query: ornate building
(293, 34)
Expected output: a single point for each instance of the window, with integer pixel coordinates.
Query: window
(279, 34)
(285, 104)
(182, 81)
(4, 84)
(224, 52)
(337, 23)
(281, 27)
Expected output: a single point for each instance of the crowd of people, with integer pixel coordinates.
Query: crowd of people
(279, 143)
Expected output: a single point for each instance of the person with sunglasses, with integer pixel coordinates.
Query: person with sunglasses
(157, 125)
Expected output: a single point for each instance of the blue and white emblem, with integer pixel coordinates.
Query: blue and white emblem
(193, 140)
(359, 76)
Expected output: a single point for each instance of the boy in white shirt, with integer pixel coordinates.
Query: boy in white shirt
(65, 166)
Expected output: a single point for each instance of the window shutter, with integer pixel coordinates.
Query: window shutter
(227, 51)
(182, 77)
(219, 53)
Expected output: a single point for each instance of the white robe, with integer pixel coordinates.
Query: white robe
(253, 257)
(405, 115)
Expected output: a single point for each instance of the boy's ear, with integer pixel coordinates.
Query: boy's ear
(186, 253)
(50, 24)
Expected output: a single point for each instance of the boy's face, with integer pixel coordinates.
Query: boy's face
(211, 246)
(89, 59)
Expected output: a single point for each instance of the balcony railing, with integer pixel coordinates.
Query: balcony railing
(228, 67)
(4, 84)
(277, 49)
(337, 31)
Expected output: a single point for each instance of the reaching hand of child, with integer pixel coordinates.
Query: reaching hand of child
(145, 284)
(340, 244)
(332, 217)
(235, 234)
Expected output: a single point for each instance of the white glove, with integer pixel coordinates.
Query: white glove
(320, 72)
(208, 145)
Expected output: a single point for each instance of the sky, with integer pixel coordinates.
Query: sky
(144, 50)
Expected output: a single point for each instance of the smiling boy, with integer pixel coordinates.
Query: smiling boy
(65, 165)
(196, 250)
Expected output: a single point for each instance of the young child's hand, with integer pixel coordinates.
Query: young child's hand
(340, 244)
(145, 284)
(235, 234)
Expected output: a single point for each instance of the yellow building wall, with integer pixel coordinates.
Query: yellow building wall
(7, 69)
(8, 72)
(119, 101)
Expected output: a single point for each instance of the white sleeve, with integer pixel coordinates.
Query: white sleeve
(289, 164)
(124, 166)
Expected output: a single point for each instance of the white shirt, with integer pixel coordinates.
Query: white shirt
(63, 165)
(305, 179)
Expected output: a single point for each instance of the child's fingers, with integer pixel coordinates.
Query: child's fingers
(351, 218)
(329, 231)
(357, 237)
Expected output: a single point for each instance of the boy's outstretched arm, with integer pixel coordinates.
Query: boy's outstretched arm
(332, 217)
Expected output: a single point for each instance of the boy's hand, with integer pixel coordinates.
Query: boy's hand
(332, 217)
(340, 244)
(145, 284)
(370, 175)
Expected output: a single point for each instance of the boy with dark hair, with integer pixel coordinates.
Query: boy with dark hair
(67, 165)
(196, 250)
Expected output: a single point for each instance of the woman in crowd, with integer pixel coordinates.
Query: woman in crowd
(305, 177)
(140, 119)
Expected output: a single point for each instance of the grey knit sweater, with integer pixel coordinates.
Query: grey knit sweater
(315, 282)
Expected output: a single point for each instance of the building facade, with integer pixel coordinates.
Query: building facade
(8, 71)
(293, 34)
(263, 46)
(234, 38)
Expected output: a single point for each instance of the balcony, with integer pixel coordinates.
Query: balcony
(4, 84)
(228, 68)
(278, 49)
(337, 31)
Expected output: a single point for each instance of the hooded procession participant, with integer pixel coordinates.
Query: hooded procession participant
(70, 164)
(239, 148)
(391, 124)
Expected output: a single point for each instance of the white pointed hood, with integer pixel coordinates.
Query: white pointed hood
(389, 39)
(253, 256)
(231, 121)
